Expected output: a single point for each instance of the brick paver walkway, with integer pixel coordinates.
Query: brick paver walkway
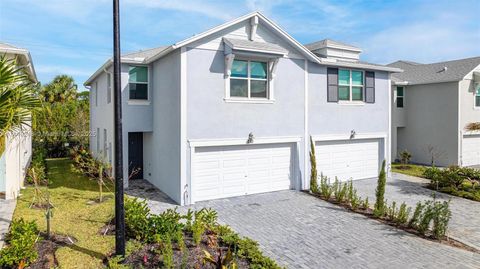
(301, 231)
(465, 221)
(6, 213)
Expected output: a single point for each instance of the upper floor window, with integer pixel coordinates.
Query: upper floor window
(249, 79)
(400, 96)
(96, 93)
(109, 88)
(477, 97)
(350, 85)
(138, 83)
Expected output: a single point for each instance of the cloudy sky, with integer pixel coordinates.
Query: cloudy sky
(74, 36)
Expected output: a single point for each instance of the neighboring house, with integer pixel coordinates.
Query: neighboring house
(229, 112)
(16, 152)
(432, 104)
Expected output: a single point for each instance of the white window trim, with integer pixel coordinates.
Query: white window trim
(475, 88)
(396, 97)
(96, 93)
(351, 101)
(139, 101)
(271, 67)
(109, 88)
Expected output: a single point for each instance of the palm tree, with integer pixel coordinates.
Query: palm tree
(17, 98)
(61, 89)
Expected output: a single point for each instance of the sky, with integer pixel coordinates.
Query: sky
(74, 37)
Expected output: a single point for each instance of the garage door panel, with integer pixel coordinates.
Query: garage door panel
(471, 150)
(240, 170)
(348, 159)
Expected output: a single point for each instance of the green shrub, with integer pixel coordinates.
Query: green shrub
(405, 157)
(441, 218)
(402, 215)
(379, 207)
(341, 193)
(165, 224)
(429, 212)
(413, 223)
(248, 249)
(326, 189)
(137, 215)
(167, 252)
(20, 249)
(392, 211)
(198, 228)
(365, 204)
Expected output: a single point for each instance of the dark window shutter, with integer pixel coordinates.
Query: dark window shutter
(369, 87)
(332, 84)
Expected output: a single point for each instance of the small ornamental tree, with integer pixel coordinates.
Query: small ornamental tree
(313, 164)
(405, 157)
(379, 207)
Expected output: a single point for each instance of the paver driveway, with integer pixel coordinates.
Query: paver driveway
(301, 231)
(6, 213)
(465, 221)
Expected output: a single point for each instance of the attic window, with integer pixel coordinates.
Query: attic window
(249, 79)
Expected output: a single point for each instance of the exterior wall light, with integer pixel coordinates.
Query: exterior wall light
(250, 138)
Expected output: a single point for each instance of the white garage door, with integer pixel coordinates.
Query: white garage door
(348, 159)
(228, 171)
(471, 150)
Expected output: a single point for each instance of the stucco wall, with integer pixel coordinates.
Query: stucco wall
(17, 156)
(339, 119)
(468, 112)
(162, 147)
(432, 120)
(335, 118)
(209, 116)
(399, 118)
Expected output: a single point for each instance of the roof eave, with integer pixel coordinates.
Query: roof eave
(124, 60)
(363, 66)
(25, 53)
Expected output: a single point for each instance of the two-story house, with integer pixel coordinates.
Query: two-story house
(432, 106)
(230, 111)
(15, 147)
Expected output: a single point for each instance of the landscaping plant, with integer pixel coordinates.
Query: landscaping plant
(402, 215)
(20, 249)
(379, 207)
(313, 165)
(187, 231)
(326, 189)
(405, 157)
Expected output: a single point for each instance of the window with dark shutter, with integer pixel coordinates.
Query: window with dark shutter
(369, 87)
(332, 84)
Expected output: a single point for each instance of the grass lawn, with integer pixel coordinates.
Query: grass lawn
(409, 169)
(70, 193)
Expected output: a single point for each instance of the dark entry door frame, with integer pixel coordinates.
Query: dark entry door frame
(135, 155)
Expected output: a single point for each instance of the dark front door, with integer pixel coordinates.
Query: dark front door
(135, 155)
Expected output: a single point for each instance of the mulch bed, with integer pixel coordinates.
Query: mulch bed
(150, 256)
(369, 213)
(46, 250)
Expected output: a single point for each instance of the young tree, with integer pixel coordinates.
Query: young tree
(379, 207)
(313, 172)
(405, 157)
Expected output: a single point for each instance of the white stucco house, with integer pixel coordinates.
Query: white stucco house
(17, 152)
(229, 112)
(432, 105)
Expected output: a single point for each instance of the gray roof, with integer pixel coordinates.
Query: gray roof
(146, 54)
(5, 45)
(240, 44)
(416, 73)
(330, 43)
